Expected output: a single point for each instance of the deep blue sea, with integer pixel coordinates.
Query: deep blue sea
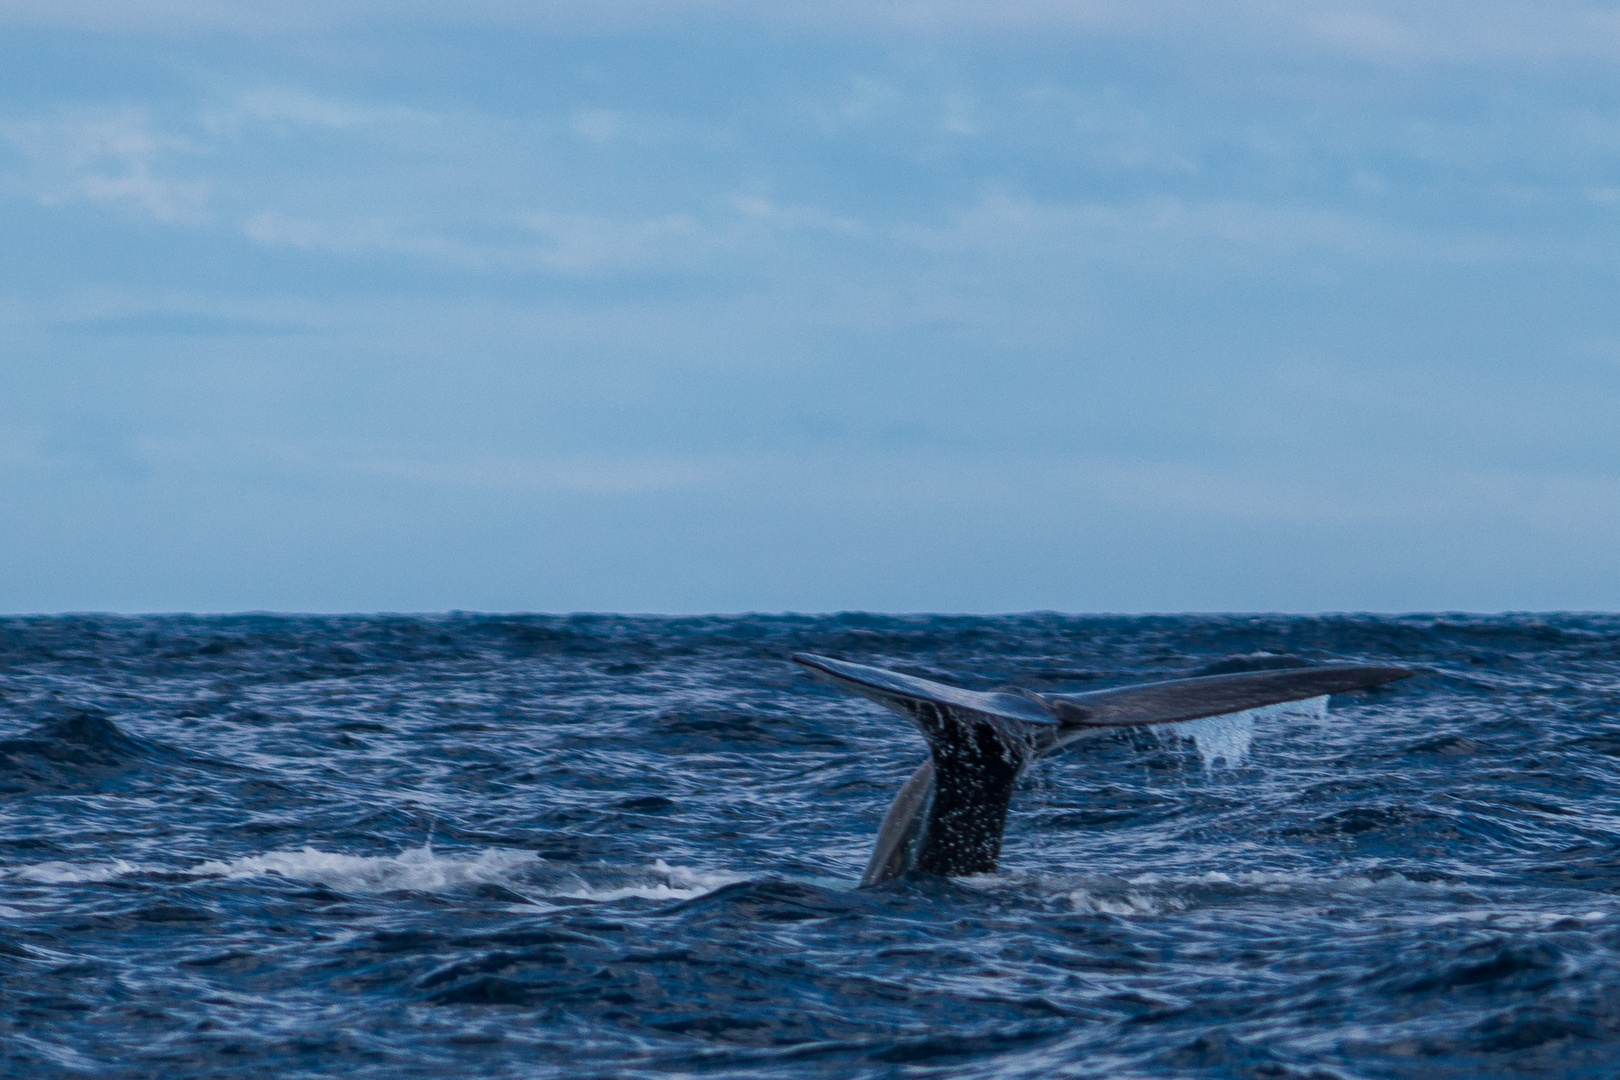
(616, 846)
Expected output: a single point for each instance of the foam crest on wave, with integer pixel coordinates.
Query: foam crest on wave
(669, 883)
(1277, 881)
(418, 869)
(67, 873)
(412, 870)
(423, 870)
(1505, 918)
(1129, 903)
(1154, 893)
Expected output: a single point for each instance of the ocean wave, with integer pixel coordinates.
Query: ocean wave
(412, 870)
(611, 845)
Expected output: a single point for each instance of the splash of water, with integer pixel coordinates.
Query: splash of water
(412, 870)
(1227, 738)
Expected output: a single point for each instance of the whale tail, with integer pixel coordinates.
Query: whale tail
(950, 815)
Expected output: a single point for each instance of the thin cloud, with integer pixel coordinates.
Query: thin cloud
(1367, 34)
(1167, 232)
(1014, 225)
(593, 244)
(538, 476)
(1377, 493)
(765, 212)
(109, 159)
(579, 245)
(643, 129)
(368, 236)
(460, 468)
(1415, 493)
(19, 448)
(1377, 31)
(293, 106)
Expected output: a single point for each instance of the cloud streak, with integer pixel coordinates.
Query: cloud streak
(1380, 491)
(108, 158)
(1375, 31)
(294, 106)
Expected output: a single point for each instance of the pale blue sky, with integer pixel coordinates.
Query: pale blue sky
(719, 306)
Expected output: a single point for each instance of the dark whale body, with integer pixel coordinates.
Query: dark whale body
(950, 815)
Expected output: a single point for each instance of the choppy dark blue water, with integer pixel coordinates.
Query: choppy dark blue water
(623, 846)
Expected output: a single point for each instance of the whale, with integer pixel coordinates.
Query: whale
(949, 817)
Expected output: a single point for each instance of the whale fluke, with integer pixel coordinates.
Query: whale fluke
(950, 815)
(1175, 700)
(903, 693)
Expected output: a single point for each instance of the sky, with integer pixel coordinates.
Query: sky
(723, 306)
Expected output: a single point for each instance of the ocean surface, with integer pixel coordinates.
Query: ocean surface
(615, 846)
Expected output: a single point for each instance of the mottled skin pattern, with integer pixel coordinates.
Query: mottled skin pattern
(976, 768)
(950, 816)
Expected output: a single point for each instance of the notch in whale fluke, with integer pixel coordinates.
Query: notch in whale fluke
(950, 815)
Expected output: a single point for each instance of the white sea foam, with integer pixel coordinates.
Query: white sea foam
(669, 883)
(418, 869)
(1277, 880)
(1507, 919)
(412, 870)
(66, 873)
(1154, 893)
(1131, 903)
